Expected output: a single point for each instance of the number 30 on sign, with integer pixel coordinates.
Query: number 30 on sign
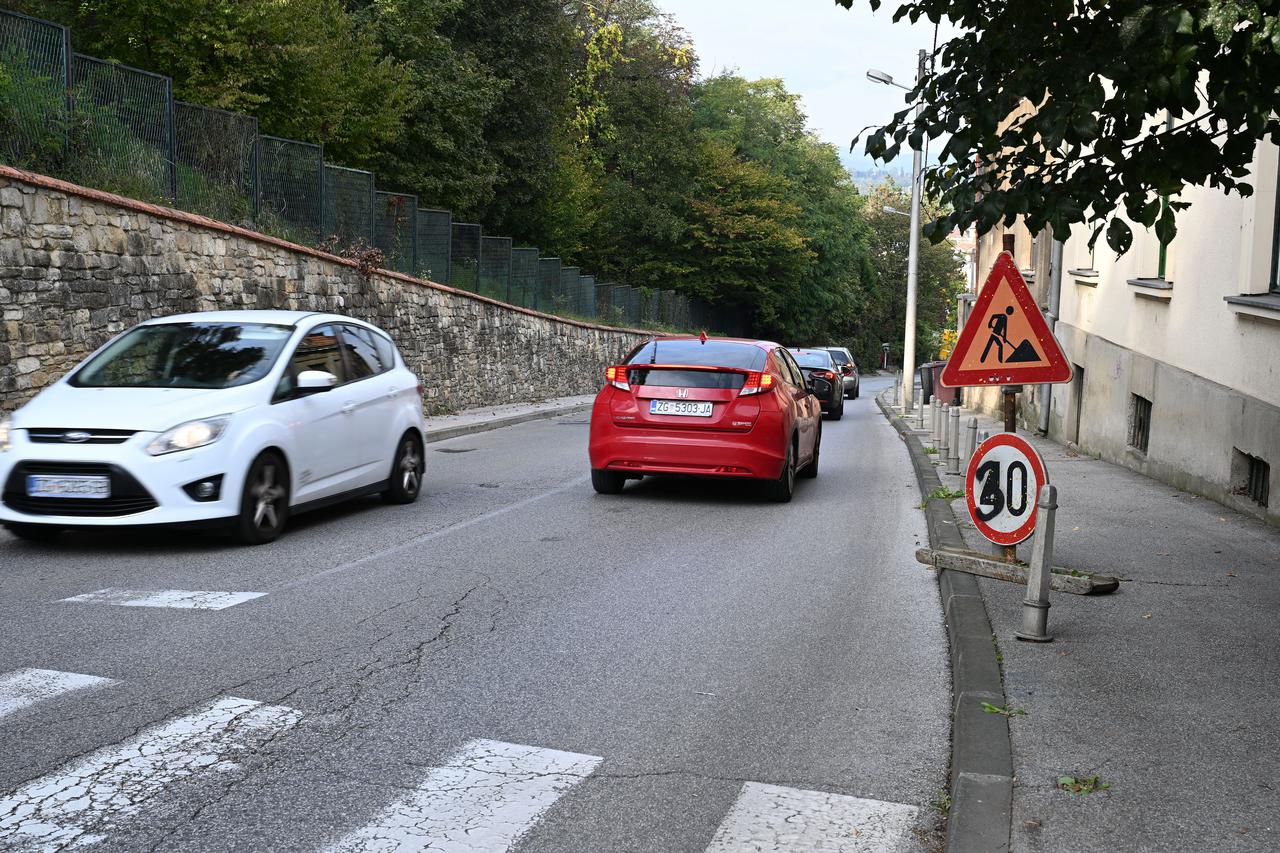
(1004, 478)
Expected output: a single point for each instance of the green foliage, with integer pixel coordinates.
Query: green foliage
(1083, 785)
(35, 105)
(1057, 111)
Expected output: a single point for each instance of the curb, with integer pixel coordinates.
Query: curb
(981, 756)
(446, 433)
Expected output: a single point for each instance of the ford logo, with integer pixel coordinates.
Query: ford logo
(77, 437)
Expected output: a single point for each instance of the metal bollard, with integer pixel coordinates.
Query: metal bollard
(953, 443)
(1035, 607)
(941, 432)
(970, 441)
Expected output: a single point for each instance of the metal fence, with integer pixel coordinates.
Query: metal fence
(110, 126)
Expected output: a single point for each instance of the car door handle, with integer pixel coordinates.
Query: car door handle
(348, 408)
(392, 393)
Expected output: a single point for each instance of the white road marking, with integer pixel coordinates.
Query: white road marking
(483, 800)
(23, 688)
(80, 802)
(773, 818)
(183, 599)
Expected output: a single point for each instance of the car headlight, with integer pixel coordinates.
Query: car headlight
(6, 425)
(189, 435)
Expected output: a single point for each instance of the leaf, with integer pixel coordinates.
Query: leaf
(1119, 236)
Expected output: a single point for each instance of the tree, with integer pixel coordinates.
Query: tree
(940, 278)
(1071, 111)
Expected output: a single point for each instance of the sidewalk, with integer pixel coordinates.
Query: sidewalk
(443, 427)
(1165, 690)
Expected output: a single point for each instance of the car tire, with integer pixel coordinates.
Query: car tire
(405, 482)
(264, 501)
(607, 482)
(781, 489)
(34, 532)
(857, 386)
(839, 412)
(810, 471)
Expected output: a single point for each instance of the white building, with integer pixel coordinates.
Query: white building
(1176, 353)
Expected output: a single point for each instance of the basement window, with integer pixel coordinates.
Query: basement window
(1251, 477)
(1139, 422)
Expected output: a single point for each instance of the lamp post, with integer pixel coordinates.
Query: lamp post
(913, 245)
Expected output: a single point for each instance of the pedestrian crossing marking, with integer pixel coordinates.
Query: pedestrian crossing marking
(181, 599)
(484, 799)
(78, 803)
(773, 818)
(23, 688)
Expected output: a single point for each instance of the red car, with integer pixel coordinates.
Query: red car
(714, 407)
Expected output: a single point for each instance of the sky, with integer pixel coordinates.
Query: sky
(822, 51)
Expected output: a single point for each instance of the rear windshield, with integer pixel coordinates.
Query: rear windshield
(711, 354)
(812, 358)
(839, 356)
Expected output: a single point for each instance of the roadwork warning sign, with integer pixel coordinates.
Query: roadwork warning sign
(1006, 341)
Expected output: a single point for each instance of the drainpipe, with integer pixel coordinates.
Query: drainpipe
(1051, 314)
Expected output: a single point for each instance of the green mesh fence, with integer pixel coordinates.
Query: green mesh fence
(569, 288)
(465, 261)
(495, 267)
(586, 295)
(34, 69)
(215, 152)
(435, 238)
(395, 230)
(290, 176)
(348, 207)
(524, 277)
(121, 132)
(548, 293)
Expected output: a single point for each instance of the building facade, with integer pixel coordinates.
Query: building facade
(1175, 349)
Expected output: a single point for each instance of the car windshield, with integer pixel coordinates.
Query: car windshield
(840, 357)
(812, 358)
(186, 355)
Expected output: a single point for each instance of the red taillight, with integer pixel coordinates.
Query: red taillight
(826, 374)
(421, 390)
(756, 383)
(617, 377)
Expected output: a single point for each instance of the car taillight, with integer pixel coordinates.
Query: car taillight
(757, 382)
(826, 374)
(617, 377)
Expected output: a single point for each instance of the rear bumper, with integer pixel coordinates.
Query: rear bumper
(652, 451)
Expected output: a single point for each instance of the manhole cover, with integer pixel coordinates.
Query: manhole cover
(455, 450)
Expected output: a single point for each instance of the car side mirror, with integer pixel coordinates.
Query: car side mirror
(315, 381)
(847, 369)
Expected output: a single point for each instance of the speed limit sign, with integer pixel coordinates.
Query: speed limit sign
(1004, 478)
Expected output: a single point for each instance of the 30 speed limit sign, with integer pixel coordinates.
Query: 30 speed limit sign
(1004, 478)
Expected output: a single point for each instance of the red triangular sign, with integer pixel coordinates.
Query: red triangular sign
(1006, 341)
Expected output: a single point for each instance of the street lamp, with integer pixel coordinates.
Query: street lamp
(888, 209)
(913, 244)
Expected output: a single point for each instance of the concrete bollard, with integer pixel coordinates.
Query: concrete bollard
(919, 411)
(970, 441)
(935, 417)
(897, 389)
(953, 442)
(1035, 607)
(941, 432)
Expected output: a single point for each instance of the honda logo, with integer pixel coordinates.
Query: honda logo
(682, 393)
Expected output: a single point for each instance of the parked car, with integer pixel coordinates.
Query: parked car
(823, 378)
(709, 407)
(234, 419)
(848, 369)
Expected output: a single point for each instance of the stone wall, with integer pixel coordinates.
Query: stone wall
(78, 266)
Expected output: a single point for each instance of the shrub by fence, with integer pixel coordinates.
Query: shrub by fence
(117, 128)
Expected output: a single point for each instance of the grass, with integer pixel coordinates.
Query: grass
(1083, 785)
(1005, 710)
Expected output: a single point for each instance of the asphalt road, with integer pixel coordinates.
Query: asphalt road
(511, 663)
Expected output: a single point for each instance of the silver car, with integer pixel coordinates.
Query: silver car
(849, 369)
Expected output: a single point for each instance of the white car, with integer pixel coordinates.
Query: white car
(235, 419)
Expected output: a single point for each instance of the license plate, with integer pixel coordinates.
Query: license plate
(93, 488)
(680, 407)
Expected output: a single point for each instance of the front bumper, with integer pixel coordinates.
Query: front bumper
(145, 489)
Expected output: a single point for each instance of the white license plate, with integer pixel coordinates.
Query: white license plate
(41, 486)
(680, 407)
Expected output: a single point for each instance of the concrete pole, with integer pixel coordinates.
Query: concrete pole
(920, 412)
(953, 427)
(1035, 607)
(941, 432)
(970, 441)
(913, 258)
